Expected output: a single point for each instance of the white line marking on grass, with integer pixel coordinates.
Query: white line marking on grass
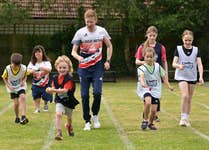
(6, 109)
(193, 129)
(50, 138)
(201, 104)
(118, 127)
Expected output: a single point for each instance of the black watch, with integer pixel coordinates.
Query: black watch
(108, 61)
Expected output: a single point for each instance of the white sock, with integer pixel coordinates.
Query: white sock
(183, 116)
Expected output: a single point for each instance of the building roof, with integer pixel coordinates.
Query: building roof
(53, 8)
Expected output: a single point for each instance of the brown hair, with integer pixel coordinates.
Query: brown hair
(150, 49)
(90, 13)
(149, 29)
(187, 32)
(16, 58)
(39, 48)
(65, 59)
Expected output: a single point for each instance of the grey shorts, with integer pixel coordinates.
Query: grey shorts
(65, 110)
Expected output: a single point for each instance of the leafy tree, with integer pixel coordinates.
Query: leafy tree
(134, 16)
(11, 14)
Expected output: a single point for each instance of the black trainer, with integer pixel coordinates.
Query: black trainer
(24, 120)
(144, 125)
(152, 127)
(17, 120)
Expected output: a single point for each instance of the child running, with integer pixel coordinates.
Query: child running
(40, 67)
(160, 54)
(186, 60)
(149, 86)
(64, 87)
(15, 76)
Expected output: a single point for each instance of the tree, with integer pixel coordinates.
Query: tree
(134, 16)
(11, 14)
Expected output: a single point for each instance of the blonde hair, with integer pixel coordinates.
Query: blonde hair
(149, 30)
(187, 32)
(65, 59)
(150, 50)
(90, 13)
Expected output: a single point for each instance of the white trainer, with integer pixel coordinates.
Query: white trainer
(87, 126)
(96, 122)
(182, 123)
(37, 111)
(187, 123)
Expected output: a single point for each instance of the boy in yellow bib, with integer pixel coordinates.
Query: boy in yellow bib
(14, 77)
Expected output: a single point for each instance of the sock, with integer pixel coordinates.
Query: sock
(183, 116)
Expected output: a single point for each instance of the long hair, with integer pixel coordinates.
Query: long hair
(39, 48)
(149, 30)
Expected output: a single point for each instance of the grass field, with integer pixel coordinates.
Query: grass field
(120, 117)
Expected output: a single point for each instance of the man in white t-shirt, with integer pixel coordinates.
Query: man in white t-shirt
(91, 67)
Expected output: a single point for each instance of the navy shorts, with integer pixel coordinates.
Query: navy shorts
(153, 99)
(189, 82)
(40, 92)
(17, 95)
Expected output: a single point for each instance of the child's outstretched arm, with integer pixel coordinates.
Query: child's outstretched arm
(142, 81)
(52, 90)
(165, 80)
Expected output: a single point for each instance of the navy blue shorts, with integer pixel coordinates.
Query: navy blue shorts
(189, 82)
(16, 95)
(40, 92)
(153, 99)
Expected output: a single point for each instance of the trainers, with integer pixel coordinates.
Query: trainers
(69, 129)
(96, 122)
(58, 136)
(37, 111)
(87, 126)
(45, 108)
(187, 123)
(24, 121)
(182, 123)
(144, 125)
(156, 118)
(152, 127)
(17, 120)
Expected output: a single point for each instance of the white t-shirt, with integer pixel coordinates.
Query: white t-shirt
(90, 45)
(43, 81)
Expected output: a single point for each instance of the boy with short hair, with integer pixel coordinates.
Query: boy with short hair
(15, 76)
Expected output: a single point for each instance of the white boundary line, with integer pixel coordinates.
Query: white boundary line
(201, 104)
(11, 103)
(120, 130)
(49, 140)
(6, 108)
(193, 129)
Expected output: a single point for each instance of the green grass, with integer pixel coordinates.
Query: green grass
(120, 116)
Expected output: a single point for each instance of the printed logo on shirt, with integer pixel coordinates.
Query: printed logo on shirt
(151, 83)
(188, 65)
